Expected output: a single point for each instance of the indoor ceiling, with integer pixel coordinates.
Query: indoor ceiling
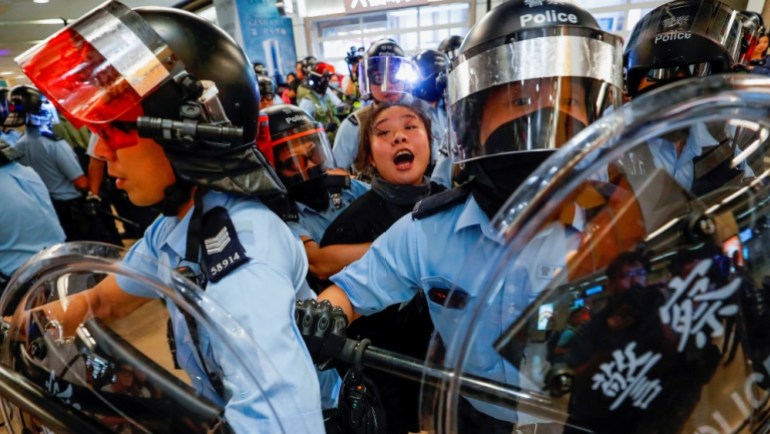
(23, 23)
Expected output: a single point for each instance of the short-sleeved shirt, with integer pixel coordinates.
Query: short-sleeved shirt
(313, 223)
(345, 146)
(682, 165)
(260, 296)
(446, 251)
(53, 160)
(28, 222)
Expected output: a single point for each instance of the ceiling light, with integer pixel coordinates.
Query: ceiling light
(6, 72)
(39, 1)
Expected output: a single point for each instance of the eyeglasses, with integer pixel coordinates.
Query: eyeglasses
(267, 97)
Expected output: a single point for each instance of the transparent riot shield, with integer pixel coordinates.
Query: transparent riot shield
(64, 369)
(630, 291)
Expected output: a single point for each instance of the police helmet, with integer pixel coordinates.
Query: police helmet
(267, 87)
(25, 101)
(319, 77)
(685, 38)
(297, 147)
(259, 69)
(431, 66)
(385, 73)
(174, 77)
(307, 63)
(450, 45)
(508, 94)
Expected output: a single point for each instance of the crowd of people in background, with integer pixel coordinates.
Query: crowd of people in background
(349, 155)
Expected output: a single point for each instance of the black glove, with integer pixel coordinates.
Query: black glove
(92, 204)
(323, 329)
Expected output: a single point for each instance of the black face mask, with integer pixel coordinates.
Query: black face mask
(497, 177)
(312, 193)
(526, 133)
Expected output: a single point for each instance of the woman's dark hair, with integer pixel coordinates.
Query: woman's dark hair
(362, 161)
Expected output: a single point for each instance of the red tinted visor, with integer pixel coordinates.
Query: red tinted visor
(98, 68)
(302, 155)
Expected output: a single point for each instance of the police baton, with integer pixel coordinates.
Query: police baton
(361, 354)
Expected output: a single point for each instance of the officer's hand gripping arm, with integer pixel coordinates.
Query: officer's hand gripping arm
(323, 328)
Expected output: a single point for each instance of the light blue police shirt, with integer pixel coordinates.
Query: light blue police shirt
(28, 222)
(450, 250)
(313, 223)
(442, 171)
(11, 136)
(682, 166)
(438, 127)
(260, 296)
(53, 160)
(345, 146)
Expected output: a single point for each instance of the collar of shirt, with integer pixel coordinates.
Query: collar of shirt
(473, 216)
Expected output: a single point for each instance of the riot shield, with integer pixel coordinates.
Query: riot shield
(630, 290)
(63, 369)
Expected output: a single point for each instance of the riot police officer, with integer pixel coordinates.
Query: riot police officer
(299, 152)
(432, 68)
(506, 121)
(267, 91)
(28, 224)
(385, 75)
(214, 229)
(56, 163)
(302, 69)
(677, 41)
(321, 103)
(450, 46)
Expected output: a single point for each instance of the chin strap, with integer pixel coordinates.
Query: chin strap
(174, 196)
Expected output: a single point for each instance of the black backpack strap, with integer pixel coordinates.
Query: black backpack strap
(439, 202)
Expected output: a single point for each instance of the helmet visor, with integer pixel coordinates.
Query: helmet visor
(302, 155)
(99, 67)
(518, 97)
(383, 76)
(531, 115)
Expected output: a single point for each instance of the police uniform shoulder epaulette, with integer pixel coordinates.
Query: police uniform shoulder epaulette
(439, 202)
(354, 117)
(50, 135)
(222, 251)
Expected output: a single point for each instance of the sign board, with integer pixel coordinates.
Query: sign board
(374, 5)
(265, 35)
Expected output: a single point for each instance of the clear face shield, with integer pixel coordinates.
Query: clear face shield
(71, 371)
(102, 66)
(626, 286)
(386, 78)
(502, 101)
(302, 154)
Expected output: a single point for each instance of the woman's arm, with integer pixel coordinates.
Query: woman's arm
(324, 262)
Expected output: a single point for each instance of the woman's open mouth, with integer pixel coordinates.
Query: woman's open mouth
(403, 159)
